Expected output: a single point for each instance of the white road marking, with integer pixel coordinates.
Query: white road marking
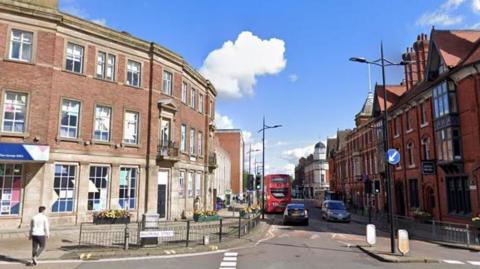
(228, 264)
(229, 259)
(283, 235)
(314, 236)
(474, 263)
(231, 254)
(453, 262)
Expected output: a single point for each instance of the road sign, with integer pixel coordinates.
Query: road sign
(393, 156)
(144, 234)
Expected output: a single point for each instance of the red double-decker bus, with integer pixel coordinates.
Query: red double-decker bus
(278, 192)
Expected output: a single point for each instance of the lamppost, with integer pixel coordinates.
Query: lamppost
(382, 62)
(265, 127)
(250, 158)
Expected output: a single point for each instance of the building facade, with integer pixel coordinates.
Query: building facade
(108, 121)
(222, 182)
(231, 141)
(433, 123)
(316, 172)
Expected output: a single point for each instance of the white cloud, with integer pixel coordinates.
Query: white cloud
(293, 77)
(101, 21)
(223, 122)
(293, 155)
(476, 6)
(288, 169)
(443, 15)
(234, 67)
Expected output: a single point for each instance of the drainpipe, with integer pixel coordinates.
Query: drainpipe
(149, 127)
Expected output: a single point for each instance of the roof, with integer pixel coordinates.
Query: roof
(367, 107)
(320, 145)
(331, 145)
(454, 45)
(394, 92)
(342, 138)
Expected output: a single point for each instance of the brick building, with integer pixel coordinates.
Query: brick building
(92, 118)
(434, 123)
(231, 140)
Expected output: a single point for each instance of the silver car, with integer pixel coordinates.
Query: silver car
(333, 210)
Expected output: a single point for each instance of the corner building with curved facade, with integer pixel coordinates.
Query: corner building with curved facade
(92, 118)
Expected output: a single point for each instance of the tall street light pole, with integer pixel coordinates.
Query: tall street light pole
(382, 62)
(250, 159)
(264, 127)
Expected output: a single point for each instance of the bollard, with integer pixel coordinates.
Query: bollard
(239, 226)
(403, 242)
(468, 235)
(206, 240)
(127, 236)
(220, 232)
(188, 232)
(434, 233)
(371, 235)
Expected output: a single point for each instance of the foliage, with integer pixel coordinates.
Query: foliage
(112, 214)
(205, 213)
(417, 213)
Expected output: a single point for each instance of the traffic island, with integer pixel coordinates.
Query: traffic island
(386, 256)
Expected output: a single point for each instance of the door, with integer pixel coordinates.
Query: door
(162, 193)
(400, 199)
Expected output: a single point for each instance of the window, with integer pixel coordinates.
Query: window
(184, 92)
(103, 116)
(64, 188)
(167, 83)
(21, 44)
(10, 188)
(133, 73)
(397, 126)
(411, 160)
(130, 128)
(444, 99)
(128, 186)
(458, 195)
(198, 184)
(74, 58)
(190, 185)
(423, 108)
(98, 188)
(70, 119)
(200, 103)
(414, 202)
(105, 66)
(14, 112)
(165, 132)
(448, 144)
(192, 141)
(183, 137)
(409, 120)
(426, 148)
(193, 96)
(181, 184)
(200, 144)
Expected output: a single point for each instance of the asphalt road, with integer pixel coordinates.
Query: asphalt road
(320, 245)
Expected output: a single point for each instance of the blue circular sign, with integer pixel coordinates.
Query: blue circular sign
(393, 156)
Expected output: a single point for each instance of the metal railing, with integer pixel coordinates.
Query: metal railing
(180, 233)
(167, 150)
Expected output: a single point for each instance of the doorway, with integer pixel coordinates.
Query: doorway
(162, 193)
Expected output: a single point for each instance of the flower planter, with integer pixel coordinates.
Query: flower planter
(200, 218)
(123, 220)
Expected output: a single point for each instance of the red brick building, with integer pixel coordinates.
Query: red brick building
(108, 120)
(434, 123)
(231, 141)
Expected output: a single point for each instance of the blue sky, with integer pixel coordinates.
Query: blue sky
(291, 63)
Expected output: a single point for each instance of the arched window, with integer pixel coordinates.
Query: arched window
(426, 148)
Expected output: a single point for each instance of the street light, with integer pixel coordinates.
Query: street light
(265, 127)
(250, 158)
(382, 62)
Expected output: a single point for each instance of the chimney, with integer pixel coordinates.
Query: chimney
(417, 55)
(52, 4)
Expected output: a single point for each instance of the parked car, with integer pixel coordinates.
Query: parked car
(333, 210)
(295, 213)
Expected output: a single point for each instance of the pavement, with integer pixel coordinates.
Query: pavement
(275, 246)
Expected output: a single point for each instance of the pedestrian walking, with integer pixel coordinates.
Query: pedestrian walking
(39, 232)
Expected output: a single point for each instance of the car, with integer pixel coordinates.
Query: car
(295, 213)
(333, 210)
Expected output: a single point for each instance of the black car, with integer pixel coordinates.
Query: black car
(295, 213)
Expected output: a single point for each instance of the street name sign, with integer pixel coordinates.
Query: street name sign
(393, 156)
(146, 234)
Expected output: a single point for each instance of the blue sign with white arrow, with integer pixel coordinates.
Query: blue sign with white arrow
(393, 156)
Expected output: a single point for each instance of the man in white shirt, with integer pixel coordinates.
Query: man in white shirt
(39, 232)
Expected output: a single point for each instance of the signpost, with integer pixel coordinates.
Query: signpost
(393, 156)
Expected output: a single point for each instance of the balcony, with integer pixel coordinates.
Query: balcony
(167, 151)
(212, 161)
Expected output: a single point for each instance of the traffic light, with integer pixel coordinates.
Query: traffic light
(258, 181)
(250, 182)
(377, 186)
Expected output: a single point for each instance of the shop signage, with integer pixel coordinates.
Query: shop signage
(428, 167)
(24, 152)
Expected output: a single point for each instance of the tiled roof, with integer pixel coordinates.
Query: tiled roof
(455, 45)
(394, 92)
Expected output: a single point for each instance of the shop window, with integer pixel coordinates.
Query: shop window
(64, 188)
(128, 188)
(10, 188)
(458, 195)
(98, 188)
